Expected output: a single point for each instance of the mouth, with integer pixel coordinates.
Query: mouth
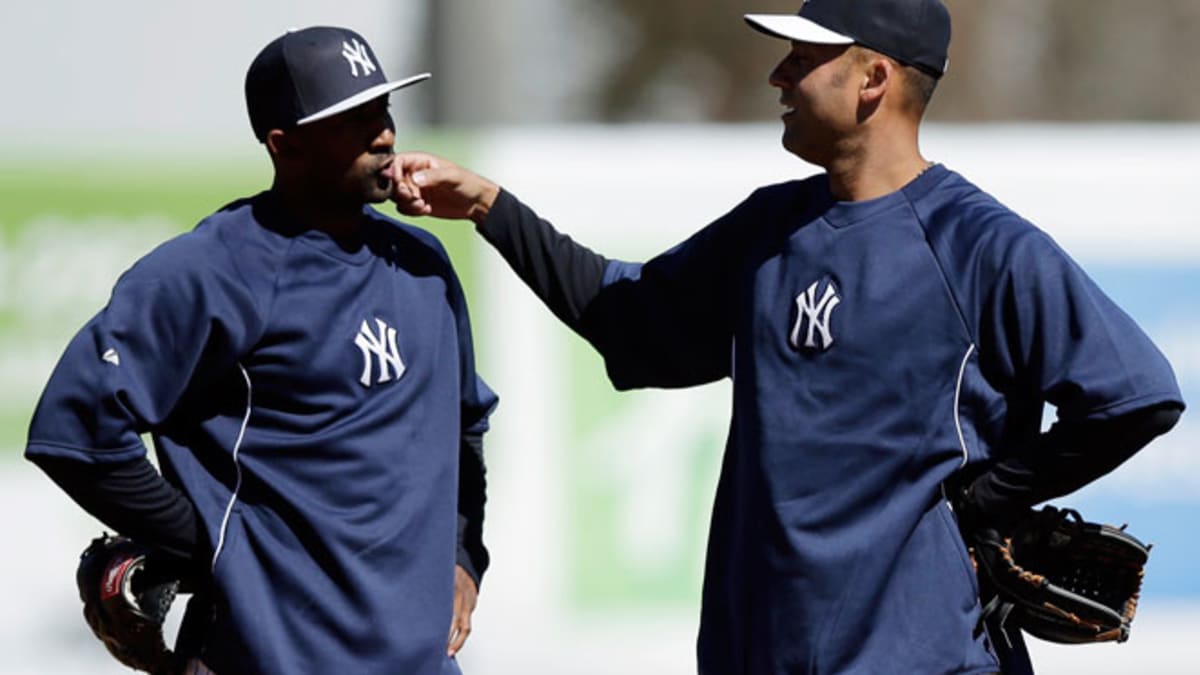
(788, 111)
(383, 175)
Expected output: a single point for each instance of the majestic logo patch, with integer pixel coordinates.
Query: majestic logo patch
(110, 355)
(812, 317)
(357, 56)
(383, 347)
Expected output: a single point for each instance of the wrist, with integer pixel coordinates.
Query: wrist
(478, 212)
(990, 508)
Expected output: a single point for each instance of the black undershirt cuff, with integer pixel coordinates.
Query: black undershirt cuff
(1065, 458)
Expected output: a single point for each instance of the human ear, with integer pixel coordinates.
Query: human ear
(279, 143)
(876, 79)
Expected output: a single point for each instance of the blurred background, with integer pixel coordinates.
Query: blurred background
(629, 124)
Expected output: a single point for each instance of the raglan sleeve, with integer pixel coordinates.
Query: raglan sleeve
(174, 318)
(667, 322)
(1050, 333)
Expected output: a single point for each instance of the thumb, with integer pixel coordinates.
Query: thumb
(444, 176)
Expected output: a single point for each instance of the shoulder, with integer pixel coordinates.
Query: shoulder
(766, 208)
(789, 194)
(964, 222)
(227, 252)
(952, 201)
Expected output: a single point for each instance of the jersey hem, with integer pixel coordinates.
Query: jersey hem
(87, 455)
(1130, 404)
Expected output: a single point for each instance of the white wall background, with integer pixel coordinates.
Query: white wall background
(140, 72)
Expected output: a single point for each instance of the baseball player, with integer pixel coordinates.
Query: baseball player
(305, 368)
(892, 333)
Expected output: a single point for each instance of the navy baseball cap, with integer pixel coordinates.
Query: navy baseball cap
(914, 32)
(310, 74)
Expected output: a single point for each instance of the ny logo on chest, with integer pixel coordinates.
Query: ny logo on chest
(812, 329)
(378, 349)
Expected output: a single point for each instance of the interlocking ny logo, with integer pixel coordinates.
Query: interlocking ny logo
(383, 347)
(357, 56)
(816, 315)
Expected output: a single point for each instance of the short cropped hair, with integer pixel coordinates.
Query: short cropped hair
(918, 85)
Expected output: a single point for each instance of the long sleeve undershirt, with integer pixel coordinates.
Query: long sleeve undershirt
(132, 498)
(1065, 458)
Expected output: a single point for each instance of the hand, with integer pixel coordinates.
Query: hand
(427, 185)
(981, 514)
(465, 595)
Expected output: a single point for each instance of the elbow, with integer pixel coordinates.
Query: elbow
(1163, 418)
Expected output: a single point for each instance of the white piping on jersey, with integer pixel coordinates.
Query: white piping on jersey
(237, 486)
(962, 369)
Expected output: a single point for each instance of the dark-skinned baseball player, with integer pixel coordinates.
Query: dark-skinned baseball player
(893, 334)
(304, 365)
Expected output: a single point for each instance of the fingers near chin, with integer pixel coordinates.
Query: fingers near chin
(410, 208)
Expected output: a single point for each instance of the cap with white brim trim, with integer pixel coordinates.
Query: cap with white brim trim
(914, 32)
(798, 28)
(308, 75)
(363, 97)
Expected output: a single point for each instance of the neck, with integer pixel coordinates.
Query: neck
(315, 211)
(875, 165)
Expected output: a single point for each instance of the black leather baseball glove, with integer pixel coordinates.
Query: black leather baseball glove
(125, 601)
(1059, 577)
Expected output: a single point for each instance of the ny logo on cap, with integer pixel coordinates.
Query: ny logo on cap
(357, 56)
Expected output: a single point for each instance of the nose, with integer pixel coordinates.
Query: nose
(385, 139)
(777, 77)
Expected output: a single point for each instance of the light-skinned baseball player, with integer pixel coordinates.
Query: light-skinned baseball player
(304, 366)
(893, 334)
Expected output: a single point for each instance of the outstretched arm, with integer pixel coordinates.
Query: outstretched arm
(564, 274)
(666, 323)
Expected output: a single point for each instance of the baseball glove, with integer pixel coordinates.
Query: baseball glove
(1061, 578)
(125, 602)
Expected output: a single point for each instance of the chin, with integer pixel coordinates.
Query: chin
(376, 197)
(792, 145)
(806, 153)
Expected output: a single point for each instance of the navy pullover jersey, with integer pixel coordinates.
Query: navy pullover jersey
(876, 348)
(309, 398)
